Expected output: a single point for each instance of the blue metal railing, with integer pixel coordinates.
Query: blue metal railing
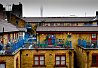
(14, 46)
(1, 46)
(88, 44)
(60, 45)
(17, 45)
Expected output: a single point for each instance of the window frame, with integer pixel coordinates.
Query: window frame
(60, 65)
(39, 60)
(94, 35)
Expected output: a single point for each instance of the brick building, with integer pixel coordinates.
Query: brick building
(61, 42)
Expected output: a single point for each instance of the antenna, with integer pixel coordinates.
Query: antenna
(85, 14)
(41, 11)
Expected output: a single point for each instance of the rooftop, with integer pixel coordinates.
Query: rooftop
(22, 29)
(8, 27)
(58, 19)
(68, 28)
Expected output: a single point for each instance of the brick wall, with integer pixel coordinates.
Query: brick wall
(28, 55)
(17, 56)
(8, 60)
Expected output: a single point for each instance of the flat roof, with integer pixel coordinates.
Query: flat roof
(67, 28)
(58, 19)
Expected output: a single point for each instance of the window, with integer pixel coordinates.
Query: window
(57, 24)
(2, 65)
(68, 24)
(94, 59)
(39, 60)
(51, 24)
(72, 24)
(8, 36)
(46, 24)
(13, 35)
(61, 24)
(42, 24)
(17, 35)
(20, 35)
(60, 60)
(93, 35)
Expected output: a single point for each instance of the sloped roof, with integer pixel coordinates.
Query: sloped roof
(74, 28)
(22, 29)
(58, 19)
(8, 27)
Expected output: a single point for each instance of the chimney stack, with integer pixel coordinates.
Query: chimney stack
(96, 14)
(97, 17)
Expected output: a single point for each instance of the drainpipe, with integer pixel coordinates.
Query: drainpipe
(2, 36)
(70, 59)
(87, 59)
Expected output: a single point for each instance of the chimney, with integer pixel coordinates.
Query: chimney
(97, 14)
(97, 17)
(41, 11)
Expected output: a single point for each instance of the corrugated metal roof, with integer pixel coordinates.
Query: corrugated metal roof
(75, 28)
(8, 27)
(58, 19)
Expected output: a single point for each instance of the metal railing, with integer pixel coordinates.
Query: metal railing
(11, 46)
(88, 43)
(66, 44)
(17, 45)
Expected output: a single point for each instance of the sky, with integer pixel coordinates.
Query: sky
(56, 8)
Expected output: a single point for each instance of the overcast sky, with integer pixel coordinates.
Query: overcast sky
(59, 8)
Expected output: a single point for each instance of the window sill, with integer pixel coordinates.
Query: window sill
(39, 66)
(94, 65)
(60, 66)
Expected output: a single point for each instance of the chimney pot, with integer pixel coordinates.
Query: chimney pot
(96, 13)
